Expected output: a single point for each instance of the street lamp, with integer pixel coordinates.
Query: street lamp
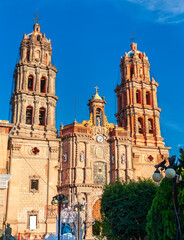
(78, 208)
(58, 200)
(173, 171)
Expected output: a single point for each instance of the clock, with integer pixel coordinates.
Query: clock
(100, 138)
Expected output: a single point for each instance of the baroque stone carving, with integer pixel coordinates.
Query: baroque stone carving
(99, 173)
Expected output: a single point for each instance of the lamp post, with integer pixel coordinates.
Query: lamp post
(78, 208)
(173, 171)
(59, 200)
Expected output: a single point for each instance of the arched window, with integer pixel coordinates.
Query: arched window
(140, 125)
(98, 117)
(27, 55)
(138, 96)
(131, 71)
(46, 57)
(42, 117)
(29, 115)
(148, 102)
(150, 125)
(30, 83)
(43, 85)
(140, 55)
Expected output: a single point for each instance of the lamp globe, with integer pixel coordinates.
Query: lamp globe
(170, 173)
(157, 176)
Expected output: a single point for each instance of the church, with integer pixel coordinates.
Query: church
(37, 163)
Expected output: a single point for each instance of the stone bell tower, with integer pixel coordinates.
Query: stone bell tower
(138, 111)
(33, 141)
(34, 101)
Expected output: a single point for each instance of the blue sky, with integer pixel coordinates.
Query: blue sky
(88, 38)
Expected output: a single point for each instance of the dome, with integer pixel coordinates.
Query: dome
(131, 54)
(97, 96)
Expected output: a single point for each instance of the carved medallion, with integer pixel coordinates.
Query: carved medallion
(99, 152)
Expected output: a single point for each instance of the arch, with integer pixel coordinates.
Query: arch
(98, 117)
(138, 96)
(29, 115)
(131, 71)
(150, 125)
(43, 85)
(140, 55)
(42, 115)
(148, 98)
(140, 125)
(30, 83)
(96, 214)
(96, 210)
(46, 59)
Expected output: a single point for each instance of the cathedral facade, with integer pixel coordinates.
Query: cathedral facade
(85, 156)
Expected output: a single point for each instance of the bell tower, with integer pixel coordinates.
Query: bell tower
(34, 101)
(138, 111)
(34, 146)
(97, 108)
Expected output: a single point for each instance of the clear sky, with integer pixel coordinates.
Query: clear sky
(88, 38)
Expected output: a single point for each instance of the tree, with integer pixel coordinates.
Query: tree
(161, 217)
(125, 207)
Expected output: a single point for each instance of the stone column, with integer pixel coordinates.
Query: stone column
(146, 124)
(49, 86)
(23, 111)
(89, 209)
(144, 96)
(14, 117)
(118, 159)
(49, 114)
(128, 121)
(37, 82)
(31, 54)
(133, 95)
(17, 79)
(128, 97)
(36, 112)
(25, 78)
(136, 123)
(157, 126)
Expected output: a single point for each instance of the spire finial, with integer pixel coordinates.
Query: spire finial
(37, 17)
(96, 89)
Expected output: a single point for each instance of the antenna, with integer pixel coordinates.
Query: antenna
(37, 17)
(75, 107)
(133, 37)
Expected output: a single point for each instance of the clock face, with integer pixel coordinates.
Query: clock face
(100, 139)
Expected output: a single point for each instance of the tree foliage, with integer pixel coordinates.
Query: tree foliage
(161, 217)
(125, 207)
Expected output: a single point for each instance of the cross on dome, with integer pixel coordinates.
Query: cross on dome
(96, 89)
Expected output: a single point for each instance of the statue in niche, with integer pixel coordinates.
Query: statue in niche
(82, 156)
(65, 157)
(123, 158)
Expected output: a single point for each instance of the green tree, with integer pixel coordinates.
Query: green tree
(125, 207)
(161, 217)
